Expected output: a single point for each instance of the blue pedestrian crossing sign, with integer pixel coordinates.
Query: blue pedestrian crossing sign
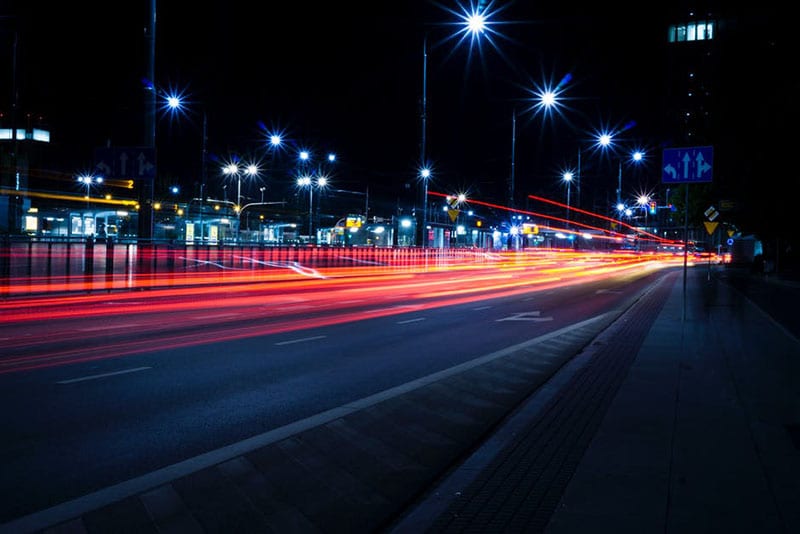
(687, 165)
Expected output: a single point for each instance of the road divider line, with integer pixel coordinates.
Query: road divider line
(104, 375)
(418, 319)
(301, 340)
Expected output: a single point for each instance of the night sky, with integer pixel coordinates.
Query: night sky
(347, 77)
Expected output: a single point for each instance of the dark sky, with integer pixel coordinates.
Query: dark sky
(339, 76)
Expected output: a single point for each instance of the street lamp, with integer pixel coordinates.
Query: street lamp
(308, 181)
(643, 201)
(425, 174)
(233, 169)
(602, 141)
(636, 157)
(474, 24)
(547, 99)
(88, 180)
(567, 177)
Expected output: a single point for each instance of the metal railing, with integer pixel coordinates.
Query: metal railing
(55, 265)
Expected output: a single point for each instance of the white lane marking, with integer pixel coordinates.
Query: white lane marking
(104, 375)
(481, 308)
(614, 291)
(526, 316)
(291, 341)
(418, 319)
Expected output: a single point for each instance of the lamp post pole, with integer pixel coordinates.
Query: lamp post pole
(568, 178)
(474, 24)
(513, 157)
(146, 188)
(578, 177)
(310, 210)
(238, 204)
(203, 169)
(425, 172)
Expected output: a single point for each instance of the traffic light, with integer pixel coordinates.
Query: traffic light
(652, 207)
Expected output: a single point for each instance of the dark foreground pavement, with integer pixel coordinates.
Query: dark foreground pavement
(680, 413)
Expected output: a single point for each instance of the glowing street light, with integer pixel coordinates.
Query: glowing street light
(636, 157)
(232, 169)
(546, 99)
(602, 141)
(425, 174)
(310, 183)
(643, 201)
(474, 24)
(88, 180)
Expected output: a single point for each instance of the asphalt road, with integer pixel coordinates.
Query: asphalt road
(77, 424)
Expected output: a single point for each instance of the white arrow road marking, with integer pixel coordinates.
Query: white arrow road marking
(526, 316)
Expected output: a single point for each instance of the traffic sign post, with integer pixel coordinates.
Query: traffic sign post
(687, 165)
(136, 163)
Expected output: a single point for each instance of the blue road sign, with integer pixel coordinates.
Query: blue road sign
(687, 165)
(126, 162)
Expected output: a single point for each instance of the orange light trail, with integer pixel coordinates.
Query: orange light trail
(98, 326)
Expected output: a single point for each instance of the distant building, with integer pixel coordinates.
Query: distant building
(22, 145)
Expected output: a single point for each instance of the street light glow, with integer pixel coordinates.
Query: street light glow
(476, 22)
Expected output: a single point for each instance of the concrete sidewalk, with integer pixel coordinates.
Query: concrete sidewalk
(702, 434)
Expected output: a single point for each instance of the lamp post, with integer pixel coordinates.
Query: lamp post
(203, 169)
(644, 201)
(474, 23)
(308, 181)
(174, 103)
(602, 141)
(547, 98)
(88, 180)
(233, 169)
(567, 177)
(636, 157)
(425, 174)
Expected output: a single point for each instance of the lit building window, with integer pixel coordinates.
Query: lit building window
(692, 31)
